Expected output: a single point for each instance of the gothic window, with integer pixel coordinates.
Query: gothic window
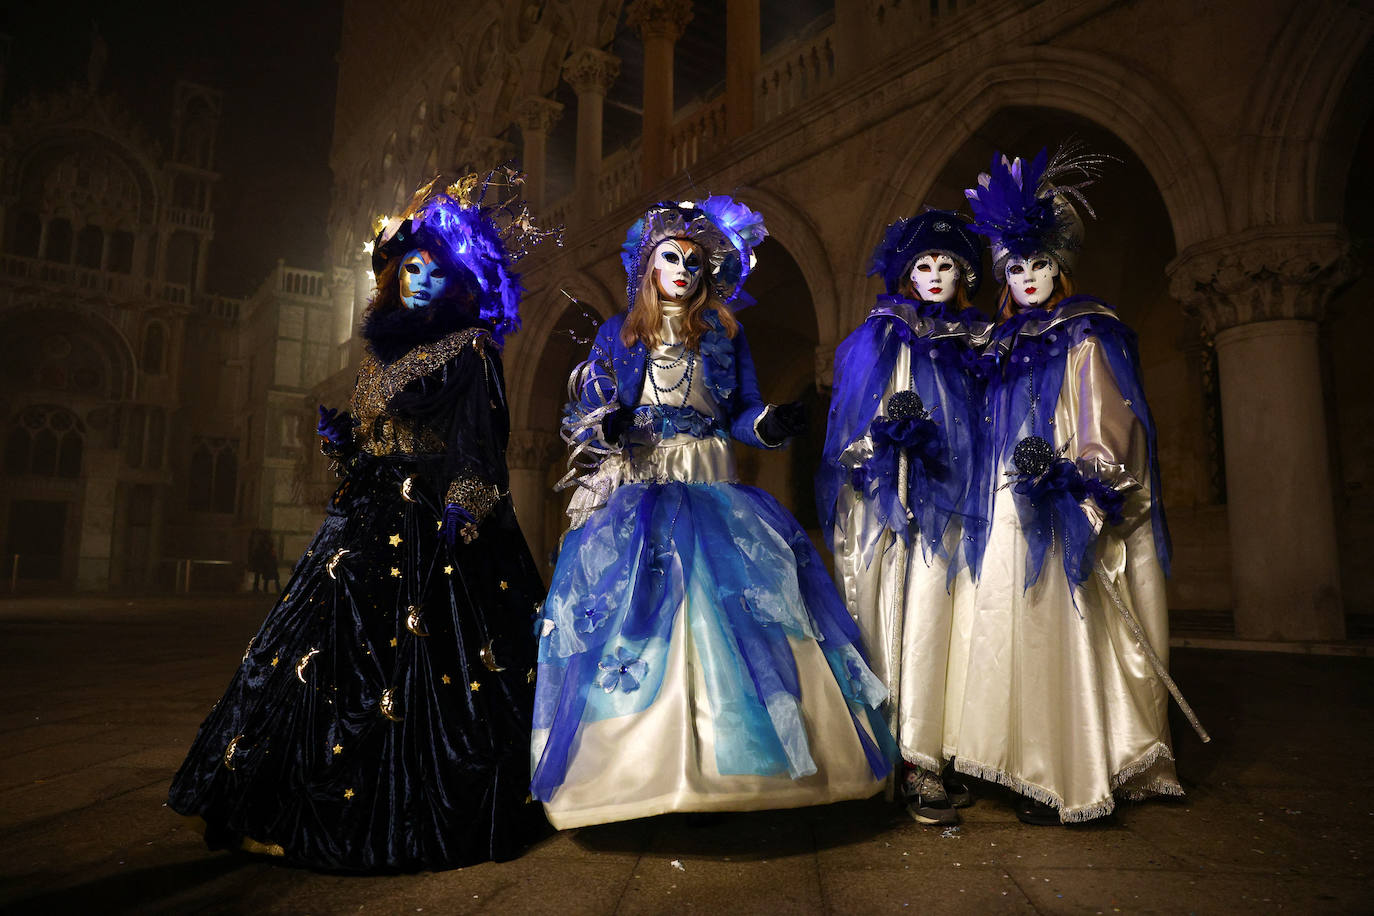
(89, 241)
(27, 229)
(121, 252)
(214, 474)
(45, 441)
(59, 242)
(154, 348)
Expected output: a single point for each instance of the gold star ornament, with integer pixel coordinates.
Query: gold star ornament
(504, 585)
(475, 686)
(446, 679)
(395, 573)
(338, 749)
(348, 793)
(395, 540)
(448, 570)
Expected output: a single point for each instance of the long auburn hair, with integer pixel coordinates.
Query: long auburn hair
(646, 316)
(1006, 305)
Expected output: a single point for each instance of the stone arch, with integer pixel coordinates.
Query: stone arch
(115, 349)
(1298, 134)
(796, 231)
(1149, 121)
(527, 349)
(43, 150)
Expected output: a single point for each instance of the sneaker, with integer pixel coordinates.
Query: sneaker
(926, 799)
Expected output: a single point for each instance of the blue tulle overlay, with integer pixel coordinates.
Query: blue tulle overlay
(1032, 349)
(942, 458)
(751, 578)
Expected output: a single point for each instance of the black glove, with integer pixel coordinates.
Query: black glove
(783, 422)
(615, 424)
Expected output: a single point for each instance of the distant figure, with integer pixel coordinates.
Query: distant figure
(259, 545)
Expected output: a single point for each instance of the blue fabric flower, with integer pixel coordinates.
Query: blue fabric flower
(622, 671)
(591, 616)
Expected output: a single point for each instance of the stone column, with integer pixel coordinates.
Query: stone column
(528, 456)
(536, 116)
(660, 24)
(742, 56)
(590, 72)
(1262, 294)
(853, 36)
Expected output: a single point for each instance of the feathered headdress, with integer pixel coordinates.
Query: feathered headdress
(932, 231)
(454, 222)
(1027, 208)
(727, 231)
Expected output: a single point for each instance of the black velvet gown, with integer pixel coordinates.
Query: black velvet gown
(381, 717)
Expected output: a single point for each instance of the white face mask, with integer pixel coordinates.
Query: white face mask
(423, 279)
(1032, 279)
(677, 268)
(935, 277)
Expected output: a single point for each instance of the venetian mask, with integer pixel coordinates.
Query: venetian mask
(423, 279)
(1032, 279)
(935, 277)
(677, 268)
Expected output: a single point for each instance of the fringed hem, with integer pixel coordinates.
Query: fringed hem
(1159, 751)
(925, 762)
(1002, 778)
(1094, 809)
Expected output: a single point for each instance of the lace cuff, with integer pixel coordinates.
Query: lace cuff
(475, 495)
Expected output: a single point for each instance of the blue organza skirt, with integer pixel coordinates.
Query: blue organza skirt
(695, 656)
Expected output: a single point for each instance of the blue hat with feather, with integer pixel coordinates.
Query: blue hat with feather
(727, 231)
(941, 231)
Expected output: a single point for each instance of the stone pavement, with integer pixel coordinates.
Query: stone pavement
(102, 696)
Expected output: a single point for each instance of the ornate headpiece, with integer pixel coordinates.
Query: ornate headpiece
(1026, 208)
(485, 240)
(726, 230)
(934, 230)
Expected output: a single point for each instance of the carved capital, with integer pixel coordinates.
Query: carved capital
(537, 115)
(591, 70)
(533, 449)
(1264, 274)
(484, 153)
(659, 18)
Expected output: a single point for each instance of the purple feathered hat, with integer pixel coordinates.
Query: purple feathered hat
(1026, 208)
(484, 241)
(727, 231)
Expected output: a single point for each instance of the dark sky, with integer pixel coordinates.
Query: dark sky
(274, 62)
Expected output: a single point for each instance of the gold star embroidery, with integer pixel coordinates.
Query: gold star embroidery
(448, 570)
(475, 686)
(275, 659)
(395, 540)
(393, 642)
(338, 748)
(348, 793)
(440, 526)
(529, 678)
(446, 679)
(504, 585)
(395, 573)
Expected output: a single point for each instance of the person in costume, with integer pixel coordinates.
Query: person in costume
(380, 718)
(1059, 700)
(694, 655)
(894, 485)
